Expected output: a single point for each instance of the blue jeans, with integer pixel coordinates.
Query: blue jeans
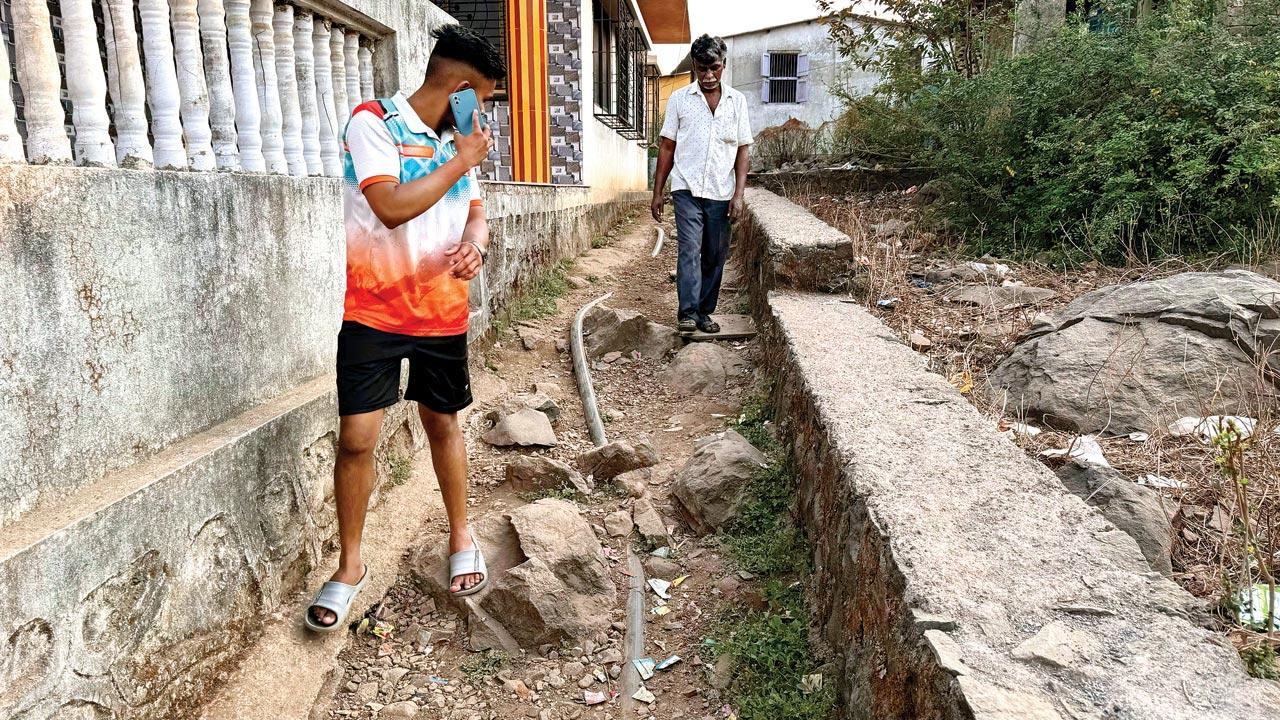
(702, 230)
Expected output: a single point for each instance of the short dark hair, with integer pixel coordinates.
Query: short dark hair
(708, 50)
(464, 45)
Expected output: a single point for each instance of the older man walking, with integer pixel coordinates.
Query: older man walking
(704, 151)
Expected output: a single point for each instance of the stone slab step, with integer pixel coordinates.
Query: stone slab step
(732, 327)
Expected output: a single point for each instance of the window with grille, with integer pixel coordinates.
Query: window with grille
(618, 61)
(487, 17)
(784, 77)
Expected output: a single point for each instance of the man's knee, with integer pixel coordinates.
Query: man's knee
(357, 442)
(438, 425)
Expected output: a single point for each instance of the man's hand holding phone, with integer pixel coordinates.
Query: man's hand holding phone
(474, 148)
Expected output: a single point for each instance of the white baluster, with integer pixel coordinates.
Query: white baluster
(337, 47)
(304, 60)
(41, 83)
(128, 91)
(248, 114)
(192, 90)
(351, 54)
(264, 58)
(86, 84)
(290, 111)
(162, 84)
(10, 140)
(366, 73)
(217, 66)
(324, 101)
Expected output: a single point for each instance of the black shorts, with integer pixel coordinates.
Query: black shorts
(369, 370)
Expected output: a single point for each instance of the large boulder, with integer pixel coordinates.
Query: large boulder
(1131, 507)
(606, 330)
(611, 460)
(534, 472)
(526, 427)
(548, 581)
(711, 488)
(703, 368)
(1134, 357)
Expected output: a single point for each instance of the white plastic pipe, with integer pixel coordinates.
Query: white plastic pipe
(583, 372)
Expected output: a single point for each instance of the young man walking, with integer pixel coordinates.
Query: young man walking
(704, 150)
(416, 234)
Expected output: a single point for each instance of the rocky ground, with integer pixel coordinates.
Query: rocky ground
(557, 521)
(1101, 363)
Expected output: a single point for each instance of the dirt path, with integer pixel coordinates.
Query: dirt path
(425, 659)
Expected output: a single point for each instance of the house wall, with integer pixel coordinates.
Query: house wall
(827, 70)
(612, 164)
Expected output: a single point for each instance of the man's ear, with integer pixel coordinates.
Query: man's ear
(463, 85)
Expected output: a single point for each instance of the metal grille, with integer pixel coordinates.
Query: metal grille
(487, 17)
(783, 77)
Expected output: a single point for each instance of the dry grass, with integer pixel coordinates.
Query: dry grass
(1226, 525)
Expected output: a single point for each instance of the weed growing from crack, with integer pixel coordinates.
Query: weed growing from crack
(484, 667)
(401, 469)
(564, 492)
(538, 300)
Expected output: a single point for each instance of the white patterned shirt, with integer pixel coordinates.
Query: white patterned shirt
(706, 143)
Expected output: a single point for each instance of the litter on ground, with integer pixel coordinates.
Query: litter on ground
(1084, 448)
(644, 696)
(1254, 606)
(1160, 481)
(661, 588)
(592, 697)
(666, 664)
(1207, 428)
(644, 666)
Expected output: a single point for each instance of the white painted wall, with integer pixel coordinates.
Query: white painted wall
(611, 164)
(827, 69)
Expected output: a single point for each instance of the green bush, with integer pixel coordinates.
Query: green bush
(1159, 137)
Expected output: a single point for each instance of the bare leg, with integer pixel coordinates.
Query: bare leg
(353, 475)
(449, 458)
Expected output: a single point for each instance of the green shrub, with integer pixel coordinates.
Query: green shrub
(1159, 137)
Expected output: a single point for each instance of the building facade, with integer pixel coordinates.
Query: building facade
(791, 71)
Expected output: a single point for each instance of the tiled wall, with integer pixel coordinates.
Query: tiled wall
(564, 54)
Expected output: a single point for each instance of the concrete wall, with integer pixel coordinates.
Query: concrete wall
(827, 70)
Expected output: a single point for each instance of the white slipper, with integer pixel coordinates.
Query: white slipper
(336, 597)
(469, 562)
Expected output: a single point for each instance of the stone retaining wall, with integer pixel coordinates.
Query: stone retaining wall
(954, 576)
(168, 416)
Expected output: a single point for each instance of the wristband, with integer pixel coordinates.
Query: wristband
(484, 254)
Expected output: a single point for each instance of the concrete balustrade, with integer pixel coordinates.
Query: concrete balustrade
(163, 96)
(325, 109)
(193, 84)
(305, 61)
(86, 85)
(261, 20)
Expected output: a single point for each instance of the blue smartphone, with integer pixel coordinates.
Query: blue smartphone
(464, 103)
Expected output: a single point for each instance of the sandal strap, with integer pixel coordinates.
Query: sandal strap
(468, 562)
(335, 596)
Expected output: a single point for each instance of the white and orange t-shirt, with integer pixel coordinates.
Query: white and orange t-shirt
(398, 279)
